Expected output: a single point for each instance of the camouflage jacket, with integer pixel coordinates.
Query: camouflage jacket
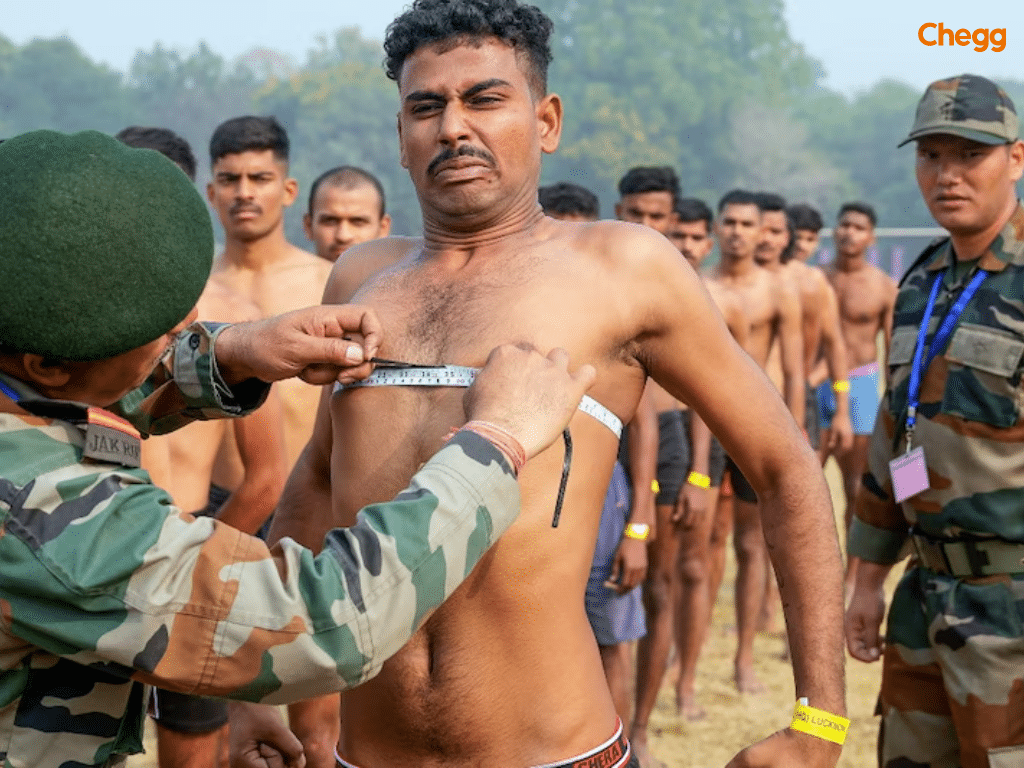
(970, 420)
(106, 587)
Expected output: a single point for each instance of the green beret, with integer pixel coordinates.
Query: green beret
(103, 247)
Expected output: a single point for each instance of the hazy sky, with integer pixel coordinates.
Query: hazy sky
(858, 42)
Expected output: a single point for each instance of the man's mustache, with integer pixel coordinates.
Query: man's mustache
(465, 150)
(248, 207)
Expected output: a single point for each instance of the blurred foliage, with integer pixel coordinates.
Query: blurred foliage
(718, 90)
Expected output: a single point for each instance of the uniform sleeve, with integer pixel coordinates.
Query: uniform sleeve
(131, 584)
(187, 386)
(879, 529)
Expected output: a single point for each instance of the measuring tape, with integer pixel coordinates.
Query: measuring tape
(463, 376)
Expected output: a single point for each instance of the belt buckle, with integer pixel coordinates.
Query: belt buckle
(932, 553)
(977, 558)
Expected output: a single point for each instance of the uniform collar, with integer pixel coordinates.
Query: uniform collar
(1006, 249)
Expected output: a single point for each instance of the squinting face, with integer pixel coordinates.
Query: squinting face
(854, 233)
(774, 237)
(738, 230)
(470, 131)
(344, 217)
(692, 239)
(250, 191)
(966, 185)
(652, 209)
(806, 245)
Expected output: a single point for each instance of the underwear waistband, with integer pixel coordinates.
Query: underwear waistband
(614, 753)
(463, 376)
(868, 369)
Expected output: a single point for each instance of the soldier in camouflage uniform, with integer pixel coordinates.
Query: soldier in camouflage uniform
(107, 588)
(953, 658)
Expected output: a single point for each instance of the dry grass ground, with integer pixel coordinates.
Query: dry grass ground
(734, 721)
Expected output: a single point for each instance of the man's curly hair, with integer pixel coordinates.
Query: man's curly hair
(450, 23)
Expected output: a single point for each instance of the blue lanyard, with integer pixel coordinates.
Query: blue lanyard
(9, 392)
(942, 337)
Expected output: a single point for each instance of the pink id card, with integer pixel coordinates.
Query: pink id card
(909, 475)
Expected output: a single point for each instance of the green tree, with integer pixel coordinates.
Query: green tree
(53, 84)
(860, 135)
(659, 82)
(192, 93)
(340, 109)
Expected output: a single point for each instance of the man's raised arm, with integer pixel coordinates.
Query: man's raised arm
(689, 351)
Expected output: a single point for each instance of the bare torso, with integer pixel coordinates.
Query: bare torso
(758, 293)
(813, 287)
(866, 296)
(507, 671)
(295, 280)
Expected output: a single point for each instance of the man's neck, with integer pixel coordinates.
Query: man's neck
(479, 230)
(969, 246)
(851, 262)
(257, 254)
(772, 265)
(732, 265)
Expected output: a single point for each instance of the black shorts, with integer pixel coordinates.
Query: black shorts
(716, 459)
(673, 457)
(811, 423)
(741, 488)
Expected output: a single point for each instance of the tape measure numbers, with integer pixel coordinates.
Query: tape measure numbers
(463, 376)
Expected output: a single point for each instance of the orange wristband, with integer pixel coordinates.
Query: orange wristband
(501, 438)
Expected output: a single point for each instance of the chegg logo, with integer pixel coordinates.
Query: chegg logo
(938, 34)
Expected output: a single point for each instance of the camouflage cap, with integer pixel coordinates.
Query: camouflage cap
(103, 247)
(970, 106)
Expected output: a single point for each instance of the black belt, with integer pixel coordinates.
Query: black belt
(969, 558)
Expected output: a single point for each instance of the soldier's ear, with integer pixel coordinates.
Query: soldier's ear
(45, 371)
(1016, 160)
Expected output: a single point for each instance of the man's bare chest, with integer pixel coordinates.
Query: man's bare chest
(859, 298)
(458, 319)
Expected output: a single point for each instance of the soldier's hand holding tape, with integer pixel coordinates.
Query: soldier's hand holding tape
(309, 343)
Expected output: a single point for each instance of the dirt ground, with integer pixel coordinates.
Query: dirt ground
(733, 721)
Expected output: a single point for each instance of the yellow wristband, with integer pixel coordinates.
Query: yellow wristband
(701, 481)
(818, 722)
(655, 487)
(841, 386)
(638, 531)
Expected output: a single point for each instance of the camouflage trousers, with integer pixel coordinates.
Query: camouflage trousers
(953, 673)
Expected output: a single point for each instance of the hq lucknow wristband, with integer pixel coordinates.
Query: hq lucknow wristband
(818, 722)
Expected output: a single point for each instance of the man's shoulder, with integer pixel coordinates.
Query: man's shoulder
(361, 262)
(617, 243)
(296, 257)
(222, 303)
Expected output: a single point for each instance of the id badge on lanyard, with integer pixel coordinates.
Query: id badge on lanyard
(909, 472)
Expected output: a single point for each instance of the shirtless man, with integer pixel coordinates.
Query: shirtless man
(249, 191)
(772, 306)
(819, 316)
(614, 605)
(191, 730)
(691, 233)
(648, 196)
(507, 673)
(807, 225)
(866, 299)
(346, 207)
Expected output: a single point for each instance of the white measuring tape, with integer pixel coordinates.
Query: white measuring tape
(462, 376)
